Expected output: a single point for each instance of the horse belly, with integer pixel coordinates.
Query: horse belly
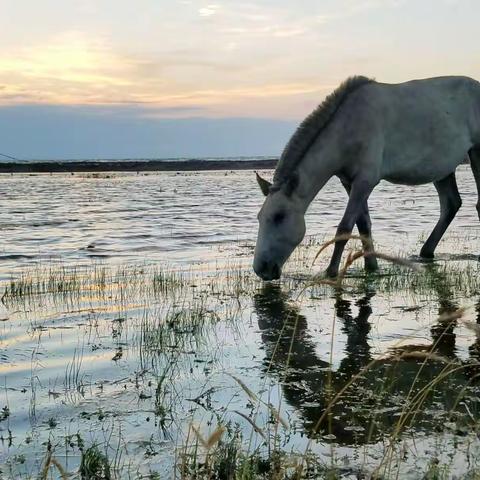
(417, 176)
(421, 170)
(423, 156)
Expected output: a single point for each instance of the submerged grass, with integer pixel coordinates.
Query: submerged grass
(369, 398)
(71, 283)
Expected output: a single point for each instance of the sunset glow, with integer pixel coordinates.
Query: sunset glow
(192, 59)
(218, 57)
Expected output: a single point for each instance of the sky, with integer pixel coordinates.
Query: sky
(188, 78)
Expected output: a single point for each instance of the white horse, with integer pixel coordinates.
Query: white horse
(408, 133)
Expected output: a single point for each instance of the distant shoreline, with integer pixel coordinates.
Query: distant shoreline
(134, 166)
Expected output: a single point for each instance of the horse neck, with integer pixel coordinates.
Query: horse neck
(316, 168)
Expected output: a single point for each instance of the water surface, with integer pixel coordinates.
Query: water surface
(139, 307)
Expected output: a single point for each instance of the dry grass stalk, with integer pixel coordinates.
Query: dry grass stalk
(423, 356)
(397, 260)
(355, 255)
(318, 280)
(46, 466)
(400, 349)
(352, 257)
(60, 469)
(253, 397)
(252, 423)
(246, 389)
(215, 437)
(212, 440)
(199, 436)
(338, 238)
(419, 352)
(50, 460)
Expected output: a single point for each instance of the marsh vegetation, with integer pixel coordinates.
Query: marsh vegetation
(123, 367)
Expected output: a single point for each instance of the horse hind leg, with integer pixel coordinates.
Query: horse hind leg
(364, 226)
(450, 202)
(474, 155)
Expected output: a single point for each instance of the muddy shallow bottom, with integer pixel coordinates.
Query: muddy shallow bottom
(134, 333)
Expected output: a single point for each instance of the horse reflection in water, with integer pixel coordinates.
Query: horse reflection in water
(371, 407)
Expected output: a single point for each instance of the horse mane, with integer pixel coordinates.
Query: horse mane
(311, 127)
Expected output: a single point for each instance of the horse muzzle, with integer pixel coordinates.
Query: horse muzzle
(267, 270)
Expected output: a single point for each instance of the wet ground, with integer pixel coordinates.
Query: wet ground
(130, 313)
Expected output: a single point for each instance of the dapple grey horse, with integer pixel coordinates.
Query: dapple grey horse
(408, 133)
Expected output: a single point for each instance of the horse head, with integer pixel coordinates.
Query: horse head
(281, 228)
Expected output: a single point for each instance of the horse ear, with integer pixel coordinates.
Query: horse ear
(264, 184)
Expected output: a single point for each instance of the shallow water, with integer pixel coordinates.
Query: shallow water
(100, 349)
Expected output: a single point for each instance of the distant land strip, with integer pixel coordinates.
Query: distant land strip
(134, 165)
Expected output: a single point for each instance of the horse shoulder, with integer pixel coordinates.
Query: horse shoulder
(362, 123)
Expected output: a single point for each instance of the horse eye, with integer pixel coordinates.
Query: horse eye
(278, 218)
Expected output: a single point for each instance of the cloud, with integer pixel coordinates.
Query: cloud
(354, 6)
(255, 20)
(73, 69)
(69, 58)
(223, 58)
(66, 69)
(217, 57)
(209, 10)
(266, 30)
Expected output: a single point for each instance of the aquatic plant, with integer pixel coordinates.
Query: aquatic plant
(94, 465)
(164, 332)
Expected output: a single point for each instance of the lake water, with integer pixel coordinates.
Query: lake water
(130, 312)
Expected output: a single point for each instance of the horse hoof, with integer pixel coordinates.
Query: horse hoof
(425, 255)
(371, 264)
(331, 273)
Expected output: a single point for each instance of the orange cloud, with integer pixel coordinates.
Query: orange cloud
(68, 69)
(71, 69)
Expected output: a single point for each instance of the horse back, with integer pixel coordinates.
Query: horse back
(422, 129)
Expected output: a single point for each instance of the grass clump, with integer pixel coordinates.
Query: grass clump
(228, 457)
(37, 282)
(96, 280)
(94, 465)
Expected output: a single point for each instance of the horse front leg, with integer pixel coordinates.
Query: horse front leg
(364, 226)
(357, 205)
